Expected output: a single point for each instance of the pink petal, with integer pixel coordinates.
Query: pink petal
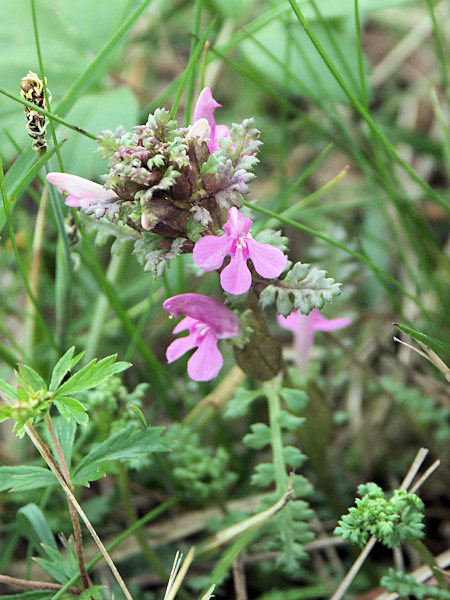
(210, 251)
(236, 277)
(208, 310)
(221, 131)
(180, 346)
(207, 361)
(204, 109)
(290, 322)
(323, 324)
(78, 186)
(184, 324)
(237, 225)
(268, 261)
(303, 340)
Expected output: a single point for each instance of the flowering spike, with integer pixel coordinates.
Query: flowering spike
(210, 251)
(207, 321)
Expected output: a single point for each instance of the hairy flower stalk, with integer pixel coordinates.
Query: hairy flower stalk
(32, 89)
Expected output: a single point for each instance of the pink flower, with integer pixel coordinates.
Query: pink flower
(210, 252)
(204, 109)
(208, 321)
(81, 191)
(304, 327)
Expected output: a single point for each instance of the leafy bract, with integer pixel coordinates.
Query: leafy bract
(303, 289)
(126, 444)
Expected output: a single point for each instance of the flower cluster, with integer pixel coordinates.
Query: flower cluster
(181, 189)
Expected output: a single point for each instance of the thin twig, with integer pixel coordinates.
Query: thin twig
(37, 585)
(424, 477)
(73, 513)
(354, 570)
(240, 586)
(412, 471)
(39, 444)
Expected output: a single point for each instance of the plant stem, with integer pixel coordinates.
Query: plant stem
(46, 455)
(354, 569)
(37, 585)
(101, 307)
(429, 559)
(276, 439)
(35, 268)
(73, 513)
(145, 519)
(46, 113)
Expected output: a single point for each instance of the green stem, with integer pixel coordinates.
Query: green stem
(35, 267)
(19, 260)
(73, 512)
(271, 389)
(429, 559)
(191, 85)
(189, 69)
(46, 113)
(101, 307)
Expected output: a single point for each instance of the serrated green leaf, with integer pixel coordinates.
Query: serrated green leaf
(8, 389)
(56, 565)
(302, 289)
(92, 592)
(264, 475)
(238, 405)
(293, 457)
(92, 374)
(61, 368)
(259, 437)
(289, 421)
(431, 342)
(22, 478)
(296, 400)
(126, 444)
(26, 376)
(35, 527)
(69, 408)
